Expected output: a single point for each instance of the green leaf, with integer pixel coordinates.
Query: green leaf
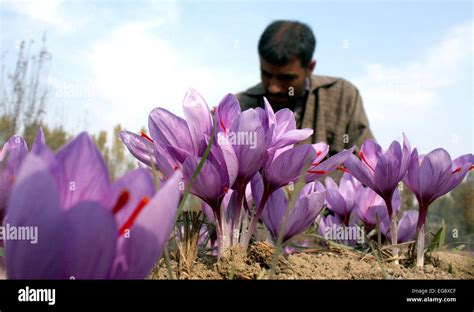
(438, 238)
(458, 249)
(442, 236)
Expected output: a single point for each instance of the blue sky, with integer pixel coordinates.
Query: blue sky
(113, 61)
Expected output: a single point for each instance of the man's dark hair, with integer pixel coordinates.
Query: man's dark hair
(282, 41)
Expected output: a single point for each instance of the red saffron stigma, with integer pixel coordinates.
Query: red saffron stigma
(361, 155)
(472, 167)
(226, 189)
(318, 171)
(121, 201)
(143, 202)
(456, 170)
(343, 169)
(318, 153)
(144, 135)
(222, 125)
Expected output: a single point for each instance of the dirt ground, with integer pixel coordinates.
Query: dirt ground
(331, 263)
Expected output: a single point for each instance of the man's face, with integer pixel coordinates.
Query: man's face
(284, 84)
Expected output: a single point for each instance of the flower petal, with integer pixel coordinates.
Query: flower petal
(330, 164)
(39, 141)
(289, 165)
(407, 226)
(270, 114)
(336, 202)
(304, 214)
(371, 151)
(461, 167)
(138, 184)
(435, 170)
(251, 155)
(141, 148)
(292, 137)
(386, 174)
(13, 153)
(198, 119)
(274, 211)
(208, 184)
(169, 129)
(90, 235)
(150, 232)
(360, 171)
(81, 172)
(40, 209)
(228, 112)
(257, 189)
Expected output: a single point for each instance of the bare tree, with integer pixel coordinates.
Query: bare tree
(24, 92)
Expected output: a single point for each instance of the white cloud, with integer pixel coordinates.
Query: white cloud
(46, 11)
(415, 86)
(409, 97)
(135, 71)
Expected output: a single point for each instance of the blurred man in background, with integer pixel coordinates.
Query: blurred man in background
(331, 106)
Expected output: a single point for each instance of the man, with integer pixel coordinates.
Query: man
(331, 106)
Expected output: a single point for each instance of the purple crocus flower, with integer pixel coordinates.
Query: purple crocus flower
(243, 139)
(430, 177)
(12, 154)
(369, 204)
(282, 129)
(308, 205)
(211, 184)
(333, 227)
(406, 226)
(172, 139)
(250, 157)
(327, 222)
(182, 137)
(341, 199)
(274, 134)
(288, 165)
(148, 153)
(382, 171)
(87, 227)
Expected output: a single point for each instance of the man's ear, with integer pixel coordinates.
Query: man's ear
(311, 67)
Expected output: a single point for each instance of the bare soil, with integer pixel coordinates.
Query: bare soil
(331, 263)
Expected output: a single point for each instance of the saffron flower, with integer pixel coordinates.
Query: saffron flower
(341, 199)
(172, 139)
(308, 205)
(88, 227)
(369, 205)
(11, 156)
(288, 166)
(429, 177)
(406, 226)
(382, 171)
